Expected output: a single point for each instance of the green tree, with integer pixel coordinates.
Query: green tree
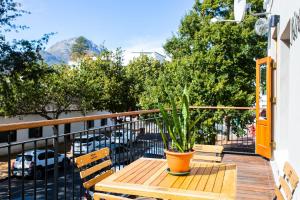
(142, 74)
(19, 60)
(80, 48)
(216, 60)
(102, 83)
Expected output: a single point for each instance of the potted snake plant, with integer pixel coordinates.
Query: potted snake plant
(179, 128)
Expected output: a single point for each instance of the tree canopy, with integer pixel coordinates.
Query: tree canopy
(79, 48)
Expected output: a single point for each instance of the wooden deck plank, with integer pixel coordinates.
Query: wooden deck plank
(254, 177)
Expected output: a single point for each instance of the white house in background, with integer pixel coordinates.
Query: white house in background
(47, 131)
(129, 56)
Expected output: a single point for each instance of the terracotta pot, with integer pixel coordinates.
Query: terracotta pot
(179, 162)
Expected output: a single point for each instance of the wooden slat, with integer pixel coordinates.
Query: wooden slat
(98, 196)
(157, 174)
(151, 173)
(206, 174)
(146, 171)
(285, 188)
(189, 178)
(278, 194)
(181, 179)
(203, 169)
(229, 182)
(95, 168)
(157, 192)
(219, 179)
(207, 158)
(90, 183)
(136, 172)
(212, 179)
(91, 157)
(208, 148)
(127, 170)
(168, 181)
(159, 178)
(291, 175)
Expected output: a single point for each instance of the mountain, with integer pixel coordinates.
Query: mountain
(50, 59)
(61, 51)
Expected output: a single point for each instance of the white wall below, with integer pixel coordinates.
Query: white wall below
(22, 135)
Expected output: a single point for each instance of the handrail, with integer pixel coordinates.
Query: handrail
(40, 123)
(223, 107)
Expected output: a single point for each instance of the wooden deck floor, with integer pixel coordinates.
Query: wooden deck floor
(255, 177)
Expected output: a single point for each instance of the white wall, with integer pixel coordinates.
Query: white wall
(22, 135)
(286, 112)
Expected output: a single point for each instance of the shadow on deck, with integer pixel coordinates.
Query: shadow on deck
(255, 177)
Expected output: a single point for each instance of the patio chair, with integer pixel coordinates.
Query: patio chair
(208, 153)
(94, 167)
(287, 183)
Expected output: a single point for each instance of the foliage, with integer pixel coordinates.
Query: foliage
(141, 74)
(179, 126)
(102, 83)
(20, 62)
(79, 48)
(216, 60)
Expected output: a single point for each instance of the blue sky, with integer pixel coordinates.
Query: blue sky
(130, 24)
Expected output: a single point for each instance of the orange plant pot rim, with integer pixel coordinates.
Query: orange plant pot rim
(178, 153)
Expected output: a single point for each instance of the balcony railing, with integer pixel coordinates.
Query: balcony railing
(43, 168)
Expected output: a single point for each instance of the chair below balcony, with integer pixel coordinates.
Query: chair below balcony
(288, 183)
(208, 153)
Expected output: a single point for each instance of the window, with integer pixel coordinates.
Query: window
(103, 122)
(35, 132)
(67, 128)
(90, 124)
(4, 136)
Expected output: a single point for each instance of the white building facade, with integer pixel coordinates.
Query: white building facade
(47, 131)
(284, 48)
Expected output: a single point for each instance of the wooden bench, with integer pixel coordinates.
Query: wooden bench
(209, 153)
(288, 183)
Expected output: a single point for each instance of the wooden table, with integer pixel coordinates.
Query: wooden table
(148, 177)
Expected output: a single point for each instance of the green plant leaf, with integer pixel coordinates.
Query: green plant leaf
(178, 133)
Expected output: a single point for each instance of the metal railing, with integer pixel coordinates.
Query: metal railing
(43, 168)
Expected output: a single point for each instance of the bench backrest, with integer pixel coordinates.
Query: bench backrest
(288, 183)
(94, 167)
(211, 153)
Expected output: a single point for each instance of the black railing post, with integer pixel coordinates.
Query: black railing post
(46, 170)
(9, 164)
(23, 188)
(34, 170)
(55, 141)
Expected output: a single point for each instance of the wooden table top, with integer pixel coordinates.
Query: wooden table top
(148, 177)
